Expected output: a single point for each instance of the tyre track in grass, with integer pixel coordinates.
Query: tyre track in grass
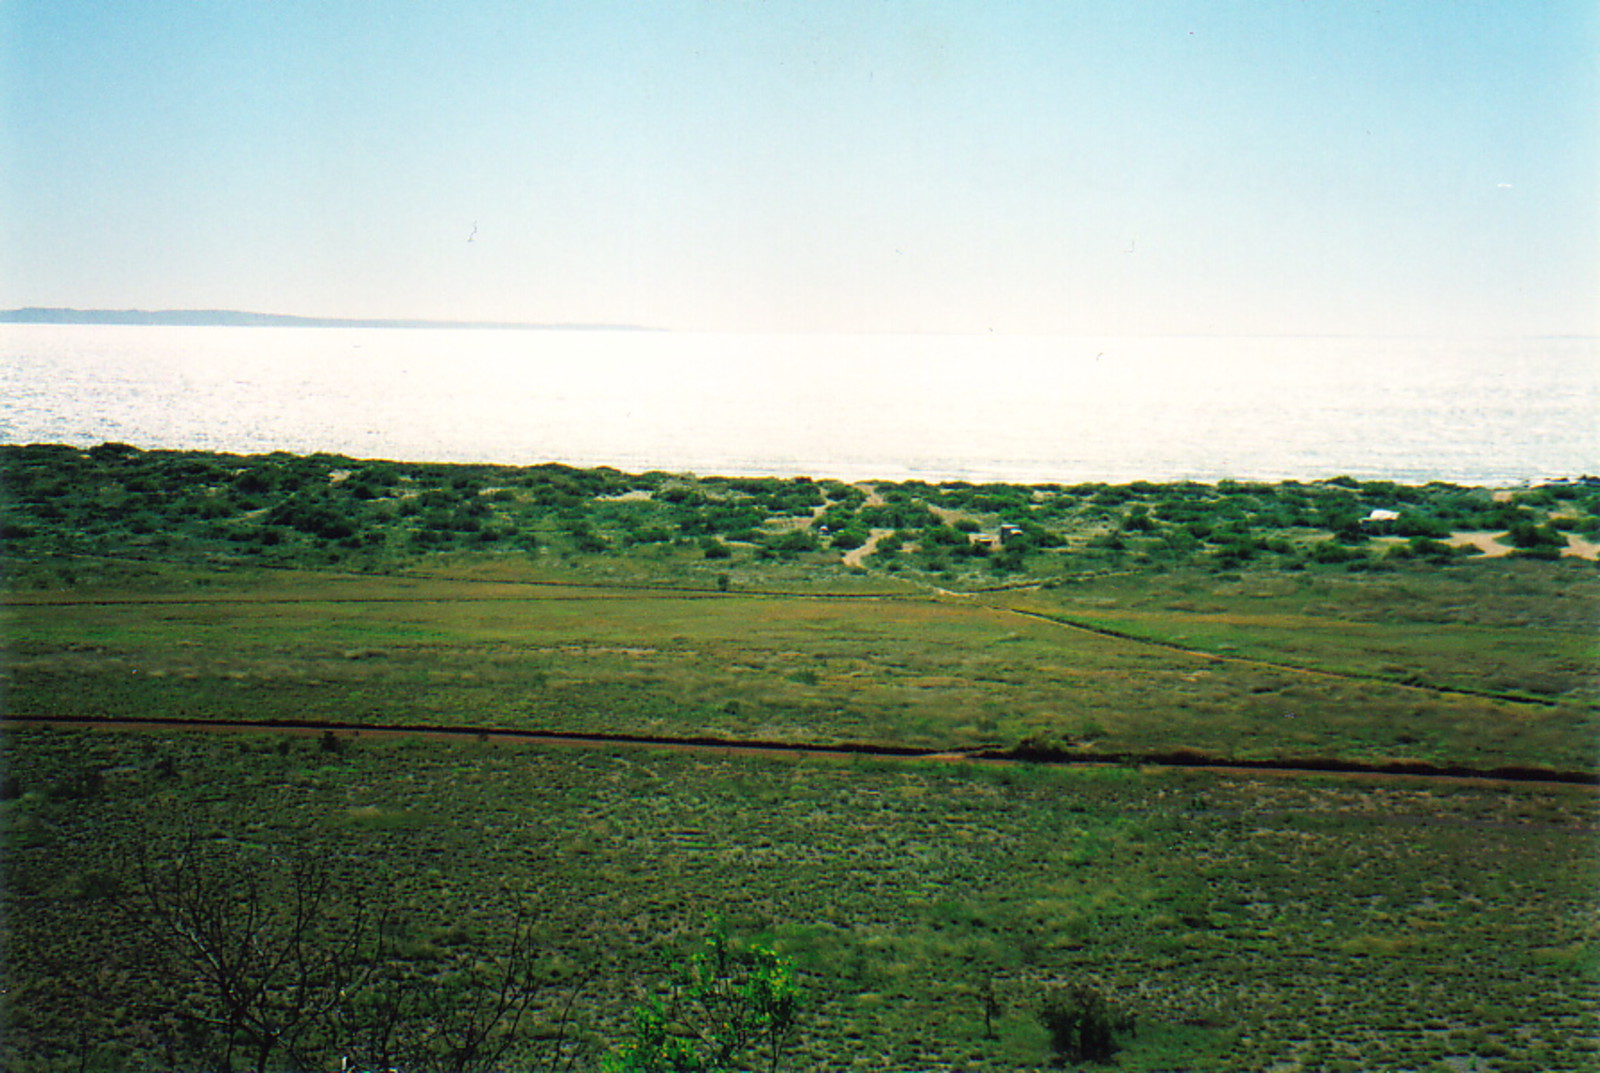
(1251, 661)
(976, 755)
(1110, 633)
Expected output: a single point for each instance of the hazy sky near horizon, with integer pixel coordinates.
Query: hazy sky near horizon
(1089, 167)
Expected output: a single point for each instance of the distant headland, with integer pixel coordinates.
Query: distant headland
(229, 318)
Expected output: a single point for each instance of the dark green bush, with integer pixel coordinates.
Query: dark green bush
(1138, 521)
(588, 541)
(792, 542)
(649, 534)
(847, 539)
(1523, 534)
(1082, 1024)
(1411, 524)
(942, 535)
(1329, 552)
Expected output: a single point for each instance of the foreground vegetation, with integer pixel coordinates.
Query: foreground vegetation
(928, 908)
(939, 914)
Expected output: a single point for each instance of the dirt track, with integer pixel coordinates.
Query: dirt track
(1401, 770)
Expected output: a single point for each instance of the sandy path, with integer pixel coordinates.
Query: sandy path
(873, 498)
(856, 556)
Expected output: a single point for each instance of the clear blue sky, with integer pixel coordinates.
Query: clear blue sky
(1088, 167)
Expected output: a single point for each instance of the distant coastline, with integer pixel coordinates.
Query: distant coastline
(230, 318)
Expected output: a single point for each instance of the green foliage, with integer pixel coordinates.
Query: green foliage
(1082, 1024)
(897, 513)
(1419, 547)
(325, 510)
(837, 516)
(1010, 560)
(1413, 524)
(943, 535)
(902, 885)
(849, 538)
(587, 540)
(721, 1009)
(1328, 551)
(1138, 520)
(1524, 534)
(791, 542)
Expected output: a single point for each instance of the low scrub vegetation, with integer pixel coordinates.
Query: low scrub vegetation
(921, 915)
(345, 887)
(321, 510)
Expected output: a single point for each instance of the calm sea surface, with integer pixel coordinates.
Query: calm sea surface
(895, 407)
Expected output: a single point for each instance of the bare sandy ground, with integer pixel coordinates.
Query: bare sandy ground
(1493, 549)
(1582, 549)
(873, 498)
(1484, 542)
(857, 556)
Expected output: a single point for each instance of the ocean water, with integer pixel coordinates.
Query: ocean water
(888, 406)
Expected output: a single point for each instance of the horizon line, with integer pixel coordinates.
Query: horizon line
(247, 319)
(72, 315)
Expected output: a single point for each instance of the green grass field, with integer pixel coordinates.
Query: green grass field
(1337, 923)
(1264, 666)
(1287, 922)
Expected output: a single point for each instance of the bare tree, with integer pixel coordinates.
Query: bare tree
(264, 949)
(461, 1021)
(273, 961)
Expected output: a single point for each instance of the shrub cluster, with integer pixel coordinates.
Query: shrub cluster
(313, 510)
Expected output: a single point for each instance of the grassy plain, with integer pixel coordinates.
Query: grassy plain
(1296, 923)
(1253, 922)
(1271, 665)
